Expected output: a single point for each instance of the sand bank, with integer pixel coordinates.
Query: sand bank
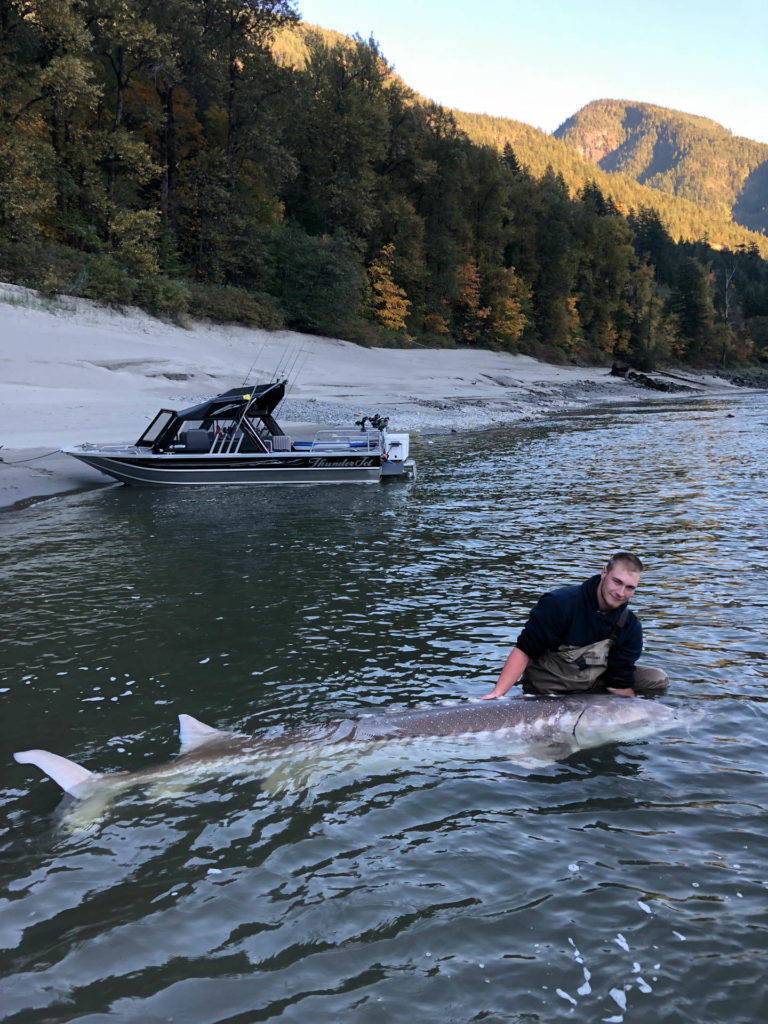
(71, 371)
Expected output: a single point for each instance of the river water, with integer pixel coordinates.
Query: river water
(625, 883)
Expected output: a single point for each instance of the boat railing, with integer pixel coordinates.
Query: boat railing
(108, 449)
(227, 442)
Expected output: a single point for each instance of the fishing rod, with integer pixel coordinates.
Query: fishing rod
(300, 352)
(250, 371)
(282, 364)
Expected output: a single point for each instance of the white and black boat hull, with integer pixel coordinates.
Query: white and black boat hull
(161, 470)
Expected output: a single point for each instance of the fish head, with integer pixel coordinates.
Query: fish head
(611, 719)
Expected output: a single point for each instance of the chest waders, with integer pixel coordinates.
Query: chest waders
(570, 669)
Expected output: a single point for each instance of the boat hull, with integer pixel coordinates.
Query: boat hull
(163, 470)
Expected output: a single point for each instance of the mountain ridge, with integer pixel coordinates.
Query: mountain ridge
(677, 153)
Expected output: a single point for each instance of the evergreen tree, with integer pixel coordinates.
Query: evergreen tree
(653, 244)
(691, 302)
(557, 322)
(339, 135)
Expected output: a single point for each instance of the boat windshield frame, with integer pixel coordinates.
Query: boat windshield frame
(150, 436)
(240, 408)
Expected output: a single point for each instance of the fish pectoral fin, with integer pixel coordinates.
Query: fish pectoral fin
(88, 812)
(541, 754)
(72, 777)
(192, 733)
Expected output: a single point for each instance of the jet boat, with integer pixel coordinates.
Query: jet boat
(235, 439)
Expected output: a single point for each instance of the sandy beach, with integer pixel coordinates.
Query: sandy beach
(71, 371)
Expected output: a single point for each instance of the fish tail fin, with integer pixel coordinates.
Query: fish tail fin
(67, 774)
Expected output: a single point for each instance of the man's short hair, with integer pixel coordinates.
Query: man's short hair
(626, 558)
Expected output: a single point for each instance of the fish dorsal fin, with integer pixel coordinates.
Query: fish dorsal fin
(68, 774)
(192, 733)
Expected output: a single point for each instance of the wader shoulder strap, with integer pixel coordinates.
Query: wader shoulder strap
(618, 624)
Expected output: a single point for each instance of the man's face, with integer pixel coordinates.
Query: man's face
(617, 585)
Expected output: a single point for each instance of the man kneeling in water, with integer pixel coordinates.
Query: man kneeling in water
(584, 639)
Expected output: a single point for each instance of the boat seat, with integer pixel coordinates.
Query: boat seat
(196, 441)
(281, 443)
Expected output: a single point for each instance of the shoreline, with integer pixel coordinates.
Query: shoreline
(72, 371)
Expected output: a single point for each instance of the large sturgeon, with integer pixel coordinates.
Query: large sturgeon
(525, 730)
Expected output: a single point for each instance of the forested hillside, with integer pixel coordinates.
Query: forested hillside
(173, 155)
(675, 153)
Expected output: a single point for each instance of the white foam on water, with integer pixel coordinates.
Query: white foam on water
(619, 996)
(576, 953)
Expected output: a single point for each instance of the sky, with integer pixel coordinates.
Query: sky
(539, 61)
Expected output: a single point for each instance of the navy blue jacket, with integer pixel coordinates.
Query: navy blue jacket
(570, 615)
